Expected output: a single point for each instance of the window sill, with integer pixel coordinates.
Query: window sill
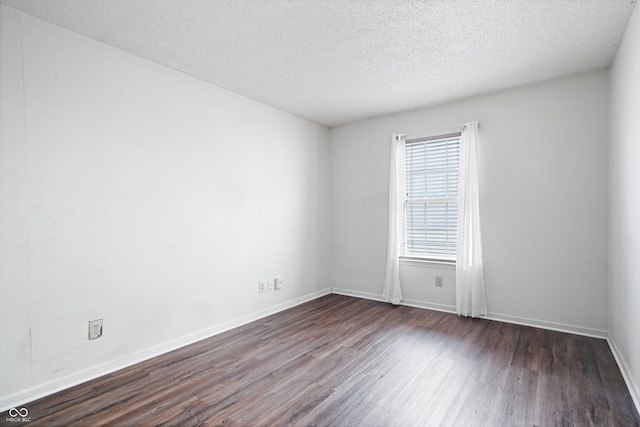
(428, 263)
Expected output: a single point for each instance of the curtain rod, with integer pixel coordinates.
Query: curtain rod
(426, 136)
(464, 127)
(433, 138)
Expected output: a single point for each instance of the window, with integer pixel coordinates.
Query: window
(431, 203)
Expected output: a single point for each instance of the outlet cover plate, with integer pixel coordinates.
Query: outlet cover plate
(95, 329)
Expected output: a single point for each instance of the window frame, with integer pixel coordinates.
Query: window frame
(415, 139)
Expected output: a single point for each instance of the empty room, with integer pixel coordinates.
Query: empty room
(319, 213)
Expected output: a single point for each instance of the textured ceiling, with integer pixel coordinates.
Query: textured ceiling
(337, 61)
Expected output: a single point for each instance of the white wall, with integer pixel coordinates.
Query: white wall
(136, 194)
(624, 202)
(15, 347)
(543, 202)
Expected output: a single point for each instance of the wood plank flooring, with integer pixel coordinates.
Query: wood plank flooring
(341, 361)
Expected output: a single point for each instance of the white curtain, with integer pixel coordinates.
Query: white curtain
(470, 299)
(392, 292)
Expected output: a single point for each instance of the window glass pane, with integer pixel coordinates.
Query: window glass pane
(431, 199)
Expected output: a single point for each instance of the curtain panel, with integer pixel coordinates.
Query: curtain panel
(392, 290)
(470, 295)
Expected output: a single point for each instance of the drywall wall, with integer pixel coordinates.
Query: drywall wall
(138, 195)
(624, 202)
(15, 346)
(543, 202)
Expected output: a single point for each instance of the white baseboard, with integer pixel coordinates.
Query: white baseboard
(626, 372)
(429, 305)
(357, 294)
(543, 324)
(553, 326)
(41, 390)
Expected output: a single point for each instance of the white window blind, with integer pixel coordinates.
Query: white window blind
(431, 204)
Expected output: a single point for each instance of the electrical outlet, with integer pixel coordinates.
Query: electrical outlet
(95, 329)
(269, 285)
(261, 287)
(439, 281)
(277, 283)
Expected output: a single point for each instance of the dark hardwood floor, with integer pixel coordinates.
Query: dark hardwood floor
(341, 361)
